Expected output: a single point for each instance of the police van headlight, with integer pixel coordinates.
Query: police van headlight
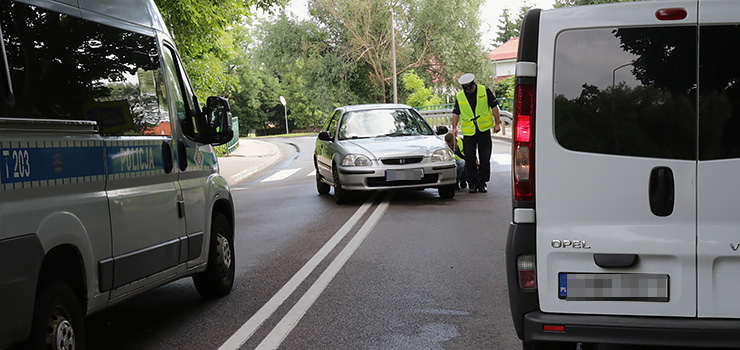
(356, 160)
(442, 155)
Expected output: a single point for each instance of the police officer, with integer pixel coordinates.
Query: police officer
(476, 108)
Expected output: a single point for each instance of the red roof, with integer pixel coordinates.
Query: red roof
(507, 51)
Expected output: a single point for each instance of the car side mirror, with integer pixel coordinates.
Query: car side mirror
(218, 121)
(441, 130)
(325, 136)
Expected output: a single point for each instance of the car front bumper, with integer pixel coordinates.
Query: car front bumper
(374, 178)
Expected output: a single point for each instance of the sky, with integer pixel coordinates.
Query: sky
(490, 14)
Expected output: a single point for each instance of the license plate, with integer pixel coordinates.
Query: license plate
(404, 174)
(613, 287)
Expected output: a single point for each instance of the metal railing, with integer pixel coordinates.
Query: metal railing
(443, 116)
(234, 143)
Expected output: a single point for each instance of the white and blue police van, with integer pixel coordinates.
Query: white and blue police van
(109, 183)
(625, 225)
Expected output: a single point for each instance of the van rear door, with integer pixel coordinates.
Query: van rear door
(719, 160)
(615, 159)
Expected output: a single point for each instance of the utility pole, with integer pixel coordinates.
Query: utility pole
(393, 49)
(285, 107)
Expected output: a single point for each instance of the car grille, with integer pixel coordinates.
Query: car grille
(402, 160)
(380, 181)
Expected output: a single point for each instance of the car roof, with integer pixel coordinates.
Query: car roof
(352, 108)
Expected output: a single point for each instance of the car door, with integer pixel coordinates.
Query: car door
(615, 160)
(719, 160)
(325, 149)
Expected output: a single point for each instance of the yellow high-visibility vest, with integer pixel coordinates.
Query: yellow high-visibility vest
(482, 116)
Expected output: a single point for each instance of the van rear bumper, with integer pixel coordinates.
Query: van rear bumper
(660, 331)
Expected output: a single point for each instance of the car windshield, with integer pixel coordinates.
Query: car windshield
(382, 122)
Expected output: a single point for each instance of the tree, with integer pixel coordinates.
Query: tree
(421, 95)
(426, 39)
(199, 27)
(510, 28)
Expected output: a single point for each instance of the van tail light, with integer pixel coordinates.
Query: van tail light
(527, 269)
(523, 163)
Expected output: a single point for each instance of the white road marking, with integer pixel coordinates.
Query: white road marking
(247, 329)
(312, 173)
(281, 175)
(286, 325)
(503, 159)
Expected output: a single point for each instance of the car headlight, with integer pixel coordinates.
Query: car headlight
(356, 160)
(442, 155)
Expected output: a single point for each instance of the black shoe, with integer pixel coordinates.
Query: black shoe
(473, 189)
(457, 187)
(463, 184)
(482, 188)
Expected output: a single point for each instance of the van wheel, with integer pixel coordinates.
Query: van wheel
(548, 346)
(58, 323)
(341, 195)
(218, 278)
(446, 192)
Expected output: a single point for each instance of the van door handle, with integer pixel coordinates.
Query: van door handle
(662, 191)
(167, 156)
(615, 260)
(182, 155)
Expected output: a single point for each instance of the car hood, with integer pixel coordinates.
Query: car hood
(397, 146)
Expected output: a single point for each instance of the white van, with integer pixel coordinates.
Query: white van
(626, 204)
(109, 185)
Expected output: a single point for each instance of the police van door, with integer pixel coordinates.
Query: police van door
(615, 160)
(719, 160)
(195, 161)
(141, 181)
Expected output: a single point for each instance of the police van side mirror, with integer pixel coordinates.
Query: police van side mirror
(217, 114)
(441, 130)
(325, 136)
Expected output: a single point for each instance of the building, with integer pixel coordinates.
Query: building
(504, 59)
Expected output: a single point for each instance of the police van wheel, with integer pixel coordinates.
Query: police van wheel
(218, 278)
(446, 192)
(58, 323)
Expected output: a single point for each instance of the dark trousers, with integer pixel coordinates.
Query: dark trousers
(479, 144)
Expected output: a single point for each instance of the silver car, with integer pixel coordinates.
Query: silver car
(381, 147)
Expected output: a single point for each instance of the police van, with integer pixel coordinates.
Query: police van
(625, 159)
(109, 183)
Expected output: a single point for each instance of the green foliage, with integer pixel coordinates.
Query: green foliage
(420, 95)
(505, 88)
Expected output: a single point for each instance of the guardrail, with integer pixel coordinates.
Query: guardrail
(443, 116)
(234, 143)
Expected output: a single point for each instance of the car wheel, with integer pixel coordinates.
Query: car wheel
(218, 278)
(549, 346)
(340, 195)
(447, 191)
(320, 185)
(58, 323)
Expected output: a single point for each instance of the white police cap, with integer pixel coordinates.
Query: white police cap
(466, 78)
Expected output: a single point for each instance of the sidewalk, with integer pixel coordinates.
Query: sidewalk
(249, 158)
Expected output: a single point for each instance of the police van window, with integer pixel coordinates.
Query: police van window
(637, 99)
(63, 67)
(182, 94)
(719, 92)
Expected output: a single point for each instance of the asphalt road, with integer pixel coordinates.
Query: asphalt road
(395, 270)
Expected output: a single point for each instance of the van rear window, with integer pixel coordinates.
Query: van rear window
(64, 67)
(627, 91)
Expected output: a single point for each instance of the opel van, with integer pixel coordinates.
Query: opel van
(625, 225)
(109, 183)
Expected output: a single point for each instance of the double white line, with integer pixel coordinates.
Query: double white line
(286, 325)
